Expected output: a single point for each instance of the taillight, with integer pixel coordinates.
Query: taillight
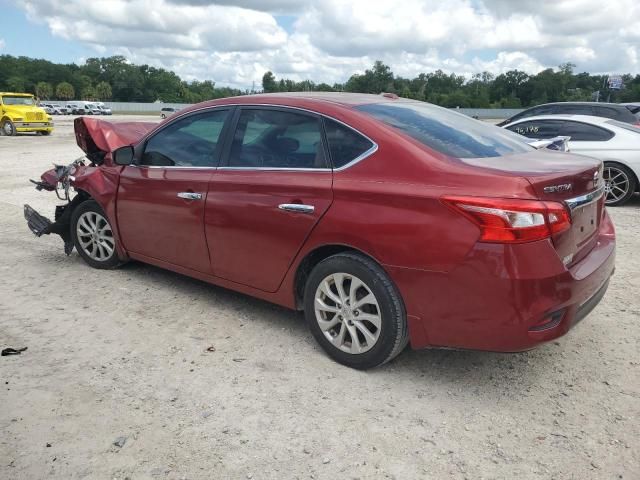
(504, 220)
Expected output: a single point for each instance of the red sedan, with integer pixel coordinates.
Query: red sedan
(387, 221)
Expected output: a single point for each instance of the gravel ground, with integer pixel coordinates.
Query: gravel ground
(118, 380)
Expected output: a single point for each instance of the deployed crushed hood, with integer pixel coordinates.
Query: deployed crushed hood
(98, 137)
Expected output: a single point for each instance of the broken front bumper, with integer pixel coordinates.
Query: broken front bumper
(41, 225)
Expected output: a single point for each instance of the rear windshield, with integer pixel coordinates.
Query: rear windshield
(624, 125)
(447, 132)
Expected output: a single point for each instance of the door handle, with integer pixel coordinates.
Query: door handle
(296, 207)
(190, 195)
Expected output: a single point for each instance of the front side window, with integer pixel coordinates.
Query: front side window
(189, 142)
(266, 138)
(582, 132)
(447, 132)
(345, 144)
(538, 129)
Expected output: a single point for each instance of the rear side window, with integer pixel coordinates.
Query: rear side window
(266, 138)
(621, 114)
(582, 132)
(538, 129)
(345, 144)
(447, 132)
(574, 109)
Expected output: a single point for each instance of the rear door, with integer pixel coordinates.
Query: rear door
(160, 205)
(272, 188)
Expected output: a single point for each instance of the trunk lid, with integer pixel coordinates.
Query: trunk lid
(573, 180)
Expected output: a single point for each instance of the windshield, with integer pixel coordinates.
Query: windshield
(7, 100)
(448, 132)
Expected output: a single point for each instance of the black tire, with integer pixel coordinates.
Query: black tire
(393, 334)
(8, 128)
(109, 261)
(45, 133)
(611, 169)
(162, 115)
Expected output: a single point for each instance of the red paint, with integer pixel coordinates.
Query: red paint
(458, 291)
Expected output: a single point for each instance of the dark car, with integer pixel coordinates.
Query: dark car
(614, 111)
(386, 221)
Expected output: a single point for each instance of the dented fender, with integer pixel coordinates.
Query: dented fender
(101, 184)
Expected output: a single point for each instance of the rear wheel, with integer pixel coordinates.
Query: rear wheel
(93, 237)
(45, 133)
(8, 128)
(620, 183)
(354, 311)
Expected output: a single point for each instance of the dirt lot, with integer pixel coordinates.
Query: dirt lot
(121, 356)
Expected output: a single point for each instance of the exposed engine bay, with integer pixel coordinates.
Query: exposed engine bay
(57, 180)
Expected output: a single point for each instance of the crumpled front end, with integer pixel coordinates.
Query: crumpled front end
(94, 177)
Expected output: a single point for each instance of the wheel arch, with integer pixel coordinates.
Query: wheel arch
(313, 258)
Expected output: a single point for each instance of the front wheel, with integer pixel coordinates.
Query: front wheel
(93, 237)
(354, 311)
(620, 183)
(8, 128)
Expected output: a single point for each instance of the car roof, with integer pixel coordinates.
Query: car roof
(341, 98)
(578, 118)
(605, 104)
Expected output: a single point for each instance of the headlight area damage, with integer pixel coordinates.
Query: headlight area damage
(93, 176)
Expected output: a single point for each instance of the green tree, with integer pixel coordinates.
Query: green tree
(269, 84)
(65, 91)
(103, 91)
(44, 90)
(16, 84)
(88, 93)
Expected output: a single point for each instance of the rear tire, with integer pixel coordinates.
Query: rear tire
(361, 324)
(93, 237)
(620, 183)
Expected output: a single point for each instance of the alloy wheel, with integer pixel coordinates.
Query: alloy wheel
(616, 184)
(95, 236)
(347, 312)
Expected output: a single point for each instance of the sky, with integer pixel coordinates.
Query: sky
(234, 42)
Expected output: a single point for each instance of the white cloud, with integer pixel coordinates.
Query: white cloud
(2, 43)
(235, 41)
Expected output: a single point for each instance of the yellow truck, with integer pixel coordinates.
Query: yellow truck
(20, 113)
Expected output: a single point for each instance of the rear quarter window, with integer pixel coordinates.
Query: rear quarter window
(345, 144)
(447, 132)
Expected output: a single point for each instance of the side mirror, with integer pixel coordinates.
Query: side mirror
(123, 155)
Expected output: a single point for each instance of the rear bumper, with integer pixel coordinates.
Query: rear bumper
(505, 297)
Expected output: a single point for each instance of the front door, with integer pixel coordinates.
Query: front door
(271, 190)
(160, 205)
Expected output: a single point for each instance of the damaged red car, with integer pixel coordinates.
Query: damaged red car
(388, 221)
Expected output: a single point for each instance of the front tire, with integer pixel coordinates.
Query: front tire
(8, 128)
(354, 311)
(93, 237)
(620, 183)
